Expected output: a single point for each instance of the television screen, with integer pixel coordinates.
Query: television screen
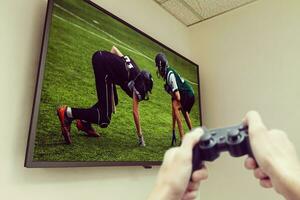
(107, 93)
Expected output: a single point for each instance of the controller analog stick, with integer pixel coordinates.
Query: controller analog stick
(206, 140)
(233, 135)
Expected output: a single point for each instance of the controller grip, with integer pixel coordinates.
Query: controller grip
(197, 163)
(250, 152)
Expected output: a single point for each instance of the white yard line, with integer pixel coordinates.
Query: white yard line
(120, 43)
(92, 33)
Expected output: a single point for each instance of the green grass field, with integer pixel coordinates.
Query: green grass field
(77, 31)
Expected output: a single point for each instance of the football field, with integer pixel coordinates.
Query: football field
(77, 31)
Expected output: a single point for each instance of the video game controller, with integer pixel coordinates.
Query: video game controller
(232, 139)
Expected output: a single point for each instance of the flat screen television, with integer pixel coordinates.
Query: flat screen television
(104, 92)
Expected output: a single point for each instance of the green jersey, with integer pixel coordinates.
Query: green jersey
(176, 83)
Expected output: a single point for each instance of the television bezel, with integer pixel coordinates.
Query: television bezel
(29, 162)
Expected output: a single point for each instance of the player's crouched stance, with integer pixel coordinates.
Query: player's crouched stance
(110, 69)
(182, 93)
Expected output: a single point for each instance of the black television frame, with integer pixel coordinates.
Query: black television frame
(29, 162)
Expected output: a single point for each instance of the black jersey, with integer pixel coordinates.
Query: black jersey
(119, 70)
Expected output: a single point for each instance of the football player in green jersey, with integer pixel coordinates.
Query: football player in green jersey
(182, 93)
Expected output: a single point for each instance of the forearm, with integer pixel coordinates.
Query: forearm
(136, 115)
(136, 118)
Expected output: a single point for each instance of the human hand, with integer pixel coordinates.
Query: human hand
(276, 163)
(173, 182)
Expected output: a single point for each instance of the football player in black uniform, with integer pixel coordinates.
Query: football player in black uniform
(182, 94)
(110, 69)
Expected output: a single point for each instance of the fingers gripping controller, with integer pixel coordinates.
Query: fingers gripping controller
(213, 142)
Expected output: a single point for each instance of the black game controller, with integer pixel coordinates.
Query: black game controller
(232, 139)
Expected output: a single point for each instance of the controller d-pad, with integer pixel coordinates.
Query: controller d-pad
(206, 140)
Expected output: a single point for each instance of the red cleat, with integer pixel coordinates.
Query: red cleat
(87, 128)
(65, 123)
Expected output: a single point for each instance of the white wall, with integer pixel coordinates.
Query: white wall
(149, 17)
(249, 59)
(20, 39)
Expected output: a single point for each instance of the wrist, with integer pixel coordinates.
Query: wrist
(290, 186)
(163, 191)
(287, 183)
(140, 134)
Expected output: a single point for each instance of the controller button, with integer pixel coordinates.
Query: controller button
(233, 135)
(213, 133)
(222, 138)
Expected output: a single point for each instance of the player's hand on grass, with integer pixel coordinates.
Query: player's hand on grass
(173, 182)
(276, 164)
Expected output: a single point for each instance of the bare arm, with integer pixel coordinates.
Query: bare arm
(173, 181)
(176, 95)
(136, 115)
(116, 51)
(276, 164)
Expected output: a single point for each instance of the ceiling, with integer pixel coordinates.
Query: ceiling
(191, 12)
